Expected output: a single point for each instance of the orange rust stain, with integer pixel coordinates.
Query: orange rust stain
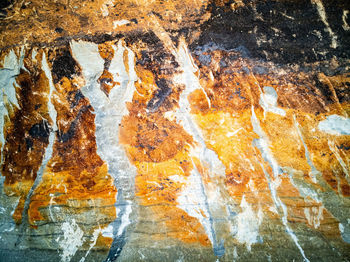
(157, 189)
(153, 182)
(323, 148)
(231, 137)
(106, 79)
(235, 87)
(89, 18)
(106, 82)
(227, 129)
(159, 148)
(146, 88)
(106, 50)
(152, 138)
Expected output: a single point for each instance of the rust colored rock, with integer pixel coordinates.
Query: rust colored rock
(174, 131)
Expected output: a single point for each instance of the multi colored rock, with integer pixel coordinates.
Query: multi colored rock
(152, 137)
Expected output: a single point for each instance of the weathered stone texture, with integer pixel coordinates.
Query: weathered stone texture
(175, 130)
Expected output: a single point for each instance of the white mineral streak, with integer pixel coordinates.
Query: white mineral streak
(125, 221)
(10, 69)
(304, 191)
(87, 55)
(108, 231)
(268, 101)
(109, 112)
(104, 7)
(192, 200)
(11, 66)
(231, 134)
(322, 13)
(235, 254)
(34, 53)
(346, 26)
(52, 196)
(314, 215)
(335, 125)
(263, 145)
(345, 230)
(120, 23)
(49, 149)
(93, 240)
(248, 224)
(327, 197)
(314, 172)
(206, 199)
(72, 240)
(52, 111)
(336, 152)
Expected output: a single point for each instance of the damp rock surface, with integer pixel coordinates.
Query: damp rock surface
(175, 131)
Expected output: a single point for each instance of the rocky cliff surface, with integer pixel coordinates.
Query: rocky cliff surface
(175, 130)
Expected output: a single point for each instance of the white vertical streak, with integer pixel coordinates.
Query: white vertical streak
(95, 235)
(248, 224)
(327, 196)
(52, 111)
(109, 112)
(204, 197)
(314, 172)
(335, 151)
(11, 68)
(263, 145)
(346, 26)
(322, 13)
(72, 240)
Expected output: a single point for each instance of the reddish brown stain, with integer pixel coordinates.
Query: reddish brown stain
(75, 174)
(153, 137)
(236, 86)
(226, 125)
(106, 80)
(26, 131)
(159, 148)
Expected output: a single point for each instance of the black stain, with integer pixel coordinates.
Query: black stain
(5, 3)
(74, 98)
(134, 20)
(40, 131)
(59, 30)
(283, 32)
(162, 93)
(101, 38)
(325, 90)
(63, 66)
(3, 13)
(65, 137)
(342, 146)
(156, 58)
(29, 143)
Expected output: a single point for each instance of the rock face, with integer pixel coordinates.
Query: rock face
(175, 130)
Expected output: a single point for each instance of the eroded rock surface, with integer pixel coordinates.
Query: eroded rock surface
(175, 131)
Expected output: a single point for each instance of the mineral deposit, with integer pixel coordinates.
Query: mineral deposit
(165, 130)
